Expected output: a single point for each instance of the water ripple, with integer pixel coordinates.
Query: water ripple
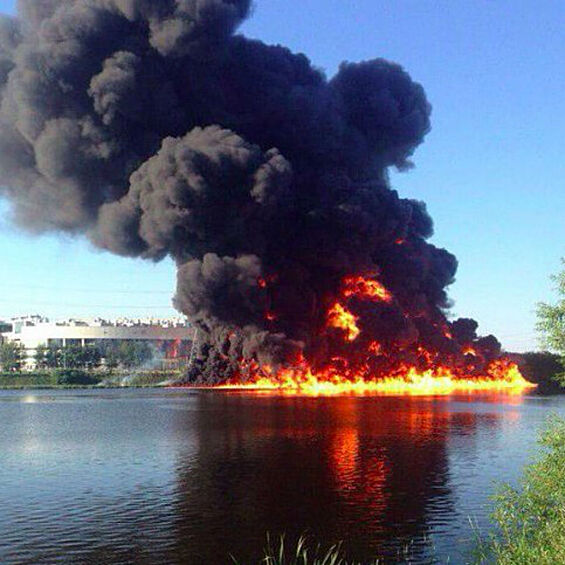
(167, 477)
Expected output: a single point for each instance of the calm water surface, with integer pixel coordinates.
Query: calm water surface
(164, 476)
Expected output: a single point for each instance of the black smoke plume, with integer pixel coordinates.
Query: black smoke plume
(156, 130)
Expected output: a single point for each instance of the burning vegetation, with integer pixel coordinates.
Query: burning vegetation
(156, 130)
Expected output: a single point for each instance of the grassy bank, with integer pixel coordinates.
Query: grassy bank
(85, 379)
(28, 380)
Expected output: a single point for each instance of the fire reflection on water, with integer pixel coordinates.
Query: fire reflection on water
(151, 476)
(371, 471)
(364, 477)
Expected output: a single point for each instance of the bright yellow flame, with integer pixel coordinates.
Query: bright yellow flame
(431, 382)
(339, 317)
(341, 377)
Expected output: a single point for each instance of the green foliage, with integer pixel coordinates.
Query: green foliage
(127, 354)
(301, 554)
(544, 369)
(40, 357)
(551, 317)
(135, 354)
(71, 357)
(28, 380)
(111, 357)
(11, 357)
(75, 377)
(531, 519)
(75, 357)
(52, 357)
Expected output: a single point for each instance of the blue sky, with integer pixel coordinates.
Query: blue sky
(491, 171)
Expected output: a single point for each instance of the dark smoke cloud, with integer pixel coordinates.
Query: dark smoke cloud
(207, 192)
(153, 129)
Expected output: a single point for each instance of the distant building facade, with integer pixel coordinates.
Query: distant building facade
(171, 336)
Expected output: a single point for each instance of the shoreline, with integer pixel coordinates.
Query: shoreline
(158, 386)
(81, 380)
(79, 387)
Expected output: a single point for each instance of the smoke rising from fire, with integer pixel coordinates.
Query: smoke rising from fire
(155, 130)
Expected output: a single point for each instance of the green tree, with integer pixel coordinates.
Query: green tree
(551, 317)
(11, 356)
(52, 357)
(133, 354)
(78, 357)
(40, 356)
(92, 356)
(71, 357)
(551, 323)
(75, 377)
(127, 354)
(111, 356)
(544, 369)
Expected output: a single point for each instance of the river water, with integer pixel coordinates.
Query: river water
(177, 476)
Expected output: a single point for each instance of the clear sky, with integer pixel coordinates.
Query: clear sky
(491, 171)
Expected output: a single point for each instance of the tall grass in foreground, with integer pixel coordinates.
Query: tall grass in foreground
(279, 553)
(530, 520)
(305, 552)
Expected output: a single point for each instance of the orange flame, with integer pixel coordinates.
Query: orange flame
(339, 317)
(426, 375)
(375, 348)
(501, 376)
(366, 288)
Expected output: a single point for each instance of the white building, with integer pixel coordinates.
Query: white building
(34, 331)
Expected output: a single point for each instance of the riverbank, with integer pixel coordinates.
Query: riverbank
(540, 368)
(76, 379)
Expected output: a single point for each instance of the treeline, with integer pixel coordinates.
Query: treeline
(545, 369)
(123, 355)
(11, 357)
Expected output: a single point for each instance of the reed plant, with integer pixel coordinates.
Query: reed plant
(279, 552)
